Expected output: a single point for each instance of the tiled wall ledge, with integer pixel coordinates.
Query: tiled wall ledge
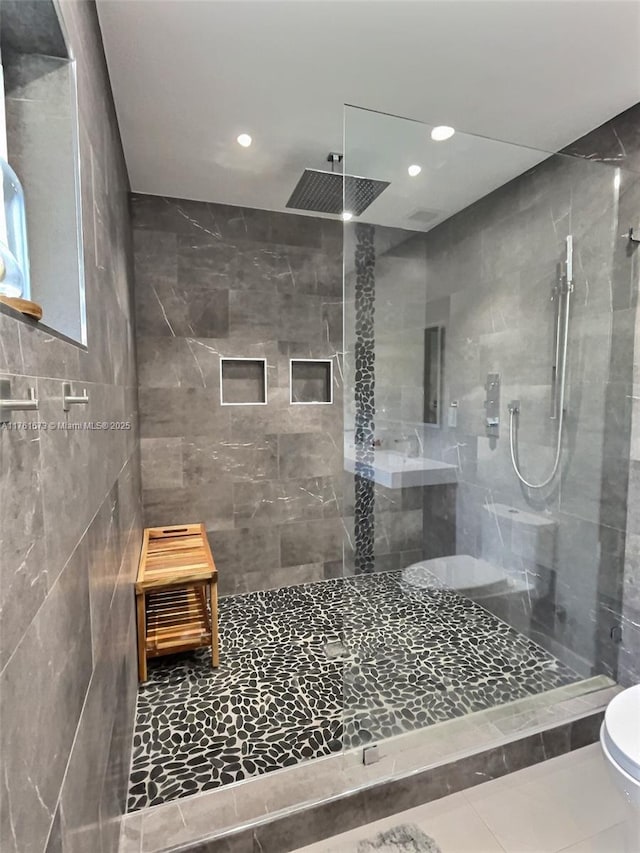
(289, 808)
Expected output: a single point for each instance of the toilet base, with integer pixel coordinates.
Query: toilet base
(629, 787)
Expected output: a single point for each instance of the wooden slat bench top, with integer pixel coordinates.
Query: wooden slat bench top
(174, 555)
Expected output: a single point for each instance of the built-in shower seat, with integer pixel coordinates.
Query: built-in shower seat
(176, 594)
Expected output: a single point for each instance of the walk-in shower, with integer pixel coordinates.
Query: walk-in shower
(458, 548)
(561, 297)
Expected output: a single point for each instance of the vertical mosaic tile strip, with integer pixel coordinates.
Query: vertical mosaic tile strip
(365, 264)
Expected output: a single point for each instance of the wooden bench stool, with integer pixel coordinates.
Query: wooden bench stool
(176, 594)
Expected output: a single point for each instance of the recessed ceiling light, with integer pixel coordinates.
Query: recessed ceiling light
(347, 215)
(245, 140)
(414, 170)
(442, 132)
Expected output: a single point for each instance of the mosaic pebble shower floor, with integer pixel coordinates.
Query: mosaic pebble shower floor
(310, 669)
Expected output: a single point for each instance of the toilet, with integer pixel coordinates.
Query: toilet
(620, 741)
(467, 575)
(472, 577)
(515, 549)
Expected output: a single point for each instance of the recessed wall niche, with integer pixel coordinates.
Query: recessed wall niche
(243, 381)
(311, 381)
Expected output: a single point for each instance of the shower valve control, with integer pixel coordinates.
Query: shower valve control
(452, 419)
(492, 405)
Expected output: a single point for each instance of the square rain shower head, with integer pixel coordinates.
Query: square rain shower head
(322, 192)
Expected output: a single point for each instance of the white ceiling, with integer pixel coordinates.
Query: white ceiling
(189, 75)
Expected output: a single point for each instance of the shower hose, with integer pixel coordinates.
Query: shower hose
(514, 409)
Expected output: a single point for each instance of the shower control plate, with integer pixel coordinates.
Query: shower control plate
(492, 405)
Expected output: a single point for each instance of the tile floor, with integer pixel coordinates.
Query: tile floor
(567, 804)
(306, 670)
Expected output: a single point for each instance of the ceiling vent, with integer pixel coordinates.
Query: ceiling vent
(424, 216)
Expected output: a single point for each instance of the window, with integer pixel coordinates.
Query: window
(43, 150)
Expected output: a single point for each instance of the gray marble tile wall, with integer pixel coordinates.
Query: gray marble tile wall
(70, 524)
(495, 263)
(217, 281)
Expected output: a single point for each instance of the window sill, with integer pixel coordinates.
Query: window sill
(8, 311)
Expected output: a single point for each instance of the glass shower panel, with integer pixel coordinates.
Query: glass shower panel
(490, 311)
